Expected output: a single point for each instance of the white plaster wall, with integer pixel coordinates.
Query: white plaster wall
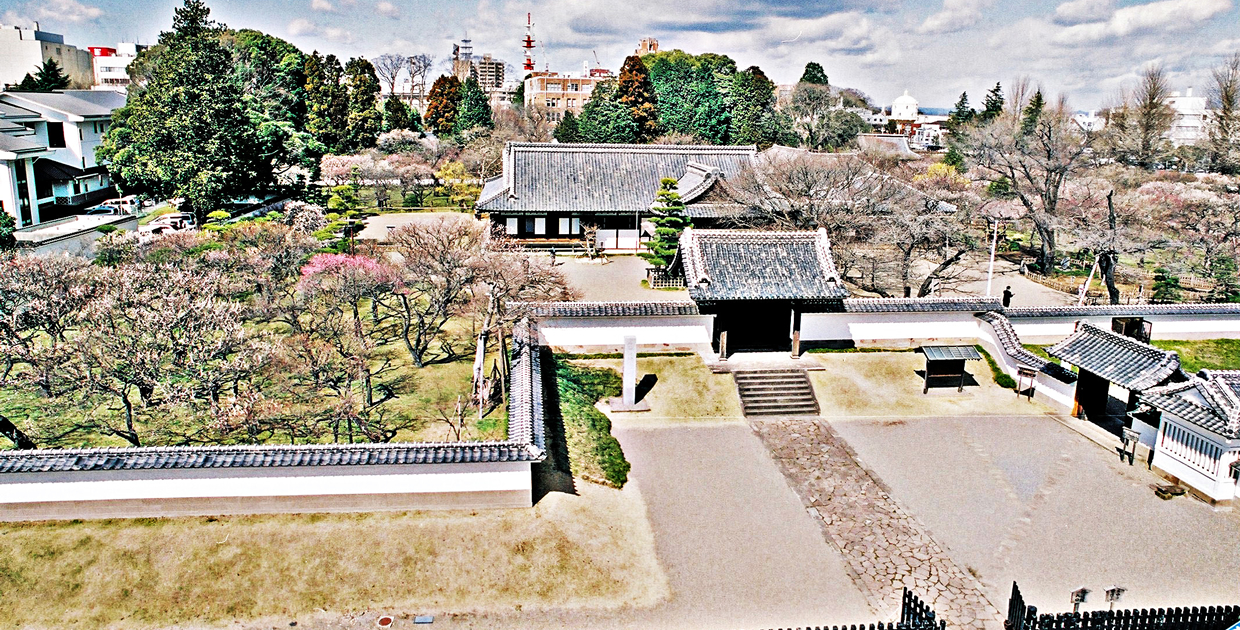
(889, 329)
(82, 244)
(1046, 389)
(688, 330)
(1044, 330)
(17, 488)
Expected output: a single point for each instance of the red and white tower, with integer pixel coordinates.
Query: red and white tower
(528, 43)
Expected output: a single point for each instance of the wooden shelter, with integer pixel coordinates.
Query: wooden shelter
(947, 362)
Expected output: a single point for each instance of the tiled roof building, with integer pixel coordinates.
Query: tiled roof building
(1210, 400)
(1126, 362)
(759, 265)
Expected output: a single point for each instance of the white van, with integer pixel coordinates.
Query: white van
(128, 204)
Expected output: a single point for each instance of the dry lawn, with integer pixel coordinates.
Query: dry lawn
(686, 392)
(593, 550)
(887, 384)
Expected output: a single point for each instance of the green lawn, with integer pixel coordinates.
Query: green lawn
(1206, 354)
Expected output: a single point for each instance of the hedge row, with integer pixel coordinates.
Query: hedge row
(594, 454)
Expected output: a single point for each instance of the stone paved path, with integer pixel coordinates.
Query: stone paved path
(885, 547)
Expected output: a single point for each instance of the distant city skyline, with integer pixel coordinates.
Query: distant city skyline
(1087, 50)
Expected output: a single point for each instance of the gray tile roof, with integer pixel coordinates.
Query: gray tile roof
(1210, 400)
(599, 178)
(1132, 310)
(608, 309)
(951, 353)
(921, 305)
(24, 144)
(759, 265)
(526, 439)
(1124, 361)
(80, 103)
(1009, 341)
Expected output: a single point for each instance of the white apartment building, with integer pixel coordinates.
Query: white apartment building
(1191, 113)
(47, 152)
(23, 50)
(112, 64)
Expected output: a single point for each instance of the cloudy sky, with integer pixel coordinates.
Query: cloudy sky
(1088, 50)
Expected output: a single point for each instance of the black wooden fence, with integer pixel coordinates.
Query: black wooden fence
(1024, 617)
(914, 615)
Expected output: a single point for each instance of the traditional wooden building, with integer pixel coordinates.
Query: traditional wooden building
(1198, 441)
(757, 284)
(1104, 357)
(550, 192)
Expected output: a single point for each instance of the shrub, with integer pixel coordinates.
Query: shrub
(595, 455)
(1001, 378)
(106, 229)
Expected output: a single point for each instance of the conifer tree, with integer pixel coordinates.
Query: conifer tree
(992, 107)
(188, 134)
(961, 114)
(364, 118)
(395, 114)
(604, 119)
(1029, 116)
(634, 90)
(567, 131)
(441, 105)
(475, 108)
(814, 74)
(48, 77)
(669, 221)
(955, 159)
(327, 101)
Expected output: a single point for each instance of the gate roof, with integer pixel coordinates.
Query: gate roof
(1122, 360)
(759, 265)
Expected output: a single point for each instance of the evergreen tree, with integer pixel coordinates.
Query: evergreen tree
(992, 107)
(961, 114)
(395, 114)
(814, 74)
(605, 119)
(441, 106)
(669, 221)
(567, 131)
(8, 225)
(475, 108)
(518, 97)
(188, 134)
(687, 92)
(364, 118)
(753, 109)
(634, 90)
(1029, 116)
(327, 101)
(48, 77)
(955, 160)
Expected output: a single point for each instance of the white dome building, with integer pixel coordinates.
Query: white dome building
(904, 108)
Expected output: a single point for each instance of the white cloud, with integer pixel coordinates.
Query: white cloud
(1164, 15)
(386, 9)
(340, 35)
(301, 26)
(63, 11)
(955, 15)
(1082, 11)
(322, 5)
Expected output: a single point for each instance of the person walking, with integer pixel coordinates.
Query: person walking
(1007, 296)
(552, 256)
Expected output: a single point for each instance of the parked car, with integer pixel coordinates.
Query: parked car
(103, 208)
(129, 203)
(171, 222)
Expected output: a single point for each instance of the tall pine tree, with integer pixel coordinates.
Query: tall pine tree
(327, 101)
(634, 90)
(1029, 116)
(364, 118)
(475, 108)
(48, 77)
(669, 221)
(814, 74)
(441, 105)
(188, 134)
(604, 119)
(567, 131)
(992, 107)
(961, 114)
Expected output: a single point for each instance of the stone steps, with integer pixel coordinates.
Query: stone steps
(785, 392)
